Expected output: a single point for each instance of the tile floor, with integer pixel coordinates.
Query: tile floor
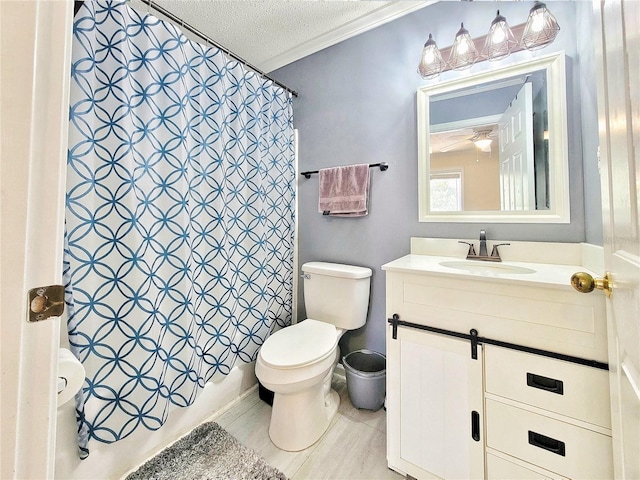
(354, 446)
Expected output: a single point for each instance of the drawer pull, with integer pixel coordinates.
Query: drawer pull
(475, 426)
(546, 443)
(545, 383)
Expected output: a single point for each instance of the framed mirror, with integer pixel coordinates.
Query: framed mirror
(492, 147)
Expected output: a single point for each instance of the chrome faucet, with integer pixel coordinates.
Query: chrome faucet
(482, 252)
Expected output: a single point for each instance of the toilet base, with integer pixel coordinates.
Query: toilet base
(265, 394)
(298, 420)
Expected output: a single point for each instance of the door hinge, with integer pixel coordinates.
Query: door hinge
(45, 302)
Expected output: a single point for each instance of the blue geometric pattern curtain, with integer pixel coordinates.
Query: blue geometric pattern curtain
(179, 219)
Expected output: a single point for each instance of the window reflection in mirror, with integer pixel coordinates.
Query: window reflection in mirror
(446, 190)
(494, 130)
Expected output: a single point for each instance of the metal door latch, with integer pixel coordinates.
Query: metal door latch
(45, 302)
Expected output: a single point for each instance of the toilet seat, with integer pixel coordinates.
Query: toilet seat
(300, 344)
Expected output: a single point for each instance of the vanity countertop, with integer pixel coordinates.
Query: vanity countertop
(542, 275)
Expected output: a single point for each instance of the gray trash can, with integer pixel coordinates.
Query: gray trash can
(366, 373)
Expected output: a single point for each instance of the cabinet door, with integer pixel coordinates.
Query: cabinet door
(435, 415)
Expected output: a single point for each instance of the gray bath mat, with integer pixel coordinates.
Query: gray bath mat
(209, 452)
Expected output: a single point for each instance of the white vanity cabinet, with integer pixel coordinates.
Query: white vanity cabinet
(535, 416)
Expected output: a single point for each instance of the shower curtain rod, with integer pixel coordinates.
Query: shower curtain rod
(197, 32)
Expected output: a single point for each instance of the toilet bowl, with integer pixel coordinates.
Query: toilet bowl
(303, 403)
(297, 362)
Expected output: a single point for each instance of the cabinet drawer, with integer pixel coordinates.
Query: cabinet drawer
(499, 468)
(566, 388)
(556, 446)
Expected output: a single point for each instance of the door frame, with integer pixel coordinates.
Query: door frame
(36, 58)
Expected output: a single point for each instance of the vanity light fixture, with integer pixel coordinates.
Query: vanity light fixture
(463, 52)
(431, 63)
(541, 28)
(500, 40)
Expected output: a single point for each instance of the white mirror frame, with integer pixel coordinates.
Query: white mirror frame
(558, 145)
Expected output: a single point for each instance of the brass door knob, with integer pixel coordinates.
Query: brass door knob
(585, 283)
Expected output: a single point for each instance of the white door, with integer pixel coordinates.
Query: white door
(35, 52)
(438, 406)
(515, 135)
(619, 119)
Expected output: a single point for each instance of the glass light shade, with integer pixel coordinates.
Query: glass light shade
(541, 28)
(483, 144)
(431, 63)
(463, 52)
(500, 40)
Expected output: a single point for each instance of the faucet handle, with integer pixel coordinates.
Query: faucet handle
(494, 252)
(472, 250)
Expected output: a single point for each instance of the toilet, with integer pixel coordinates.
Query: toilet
(297, 362)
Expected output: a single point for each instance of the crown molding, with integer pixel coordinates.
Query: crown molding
(380, 16)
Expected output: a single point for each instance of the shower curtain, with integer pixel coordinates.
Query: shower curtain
(179, 217)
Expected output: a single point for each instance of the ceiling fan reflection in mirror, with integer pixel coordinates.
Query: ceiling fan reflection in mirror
(479, 138)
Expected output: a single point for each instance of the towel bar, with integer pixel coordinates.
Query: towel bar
(383, 166)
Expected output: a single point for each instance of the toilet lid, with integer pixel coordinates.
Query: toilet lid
(299, 344)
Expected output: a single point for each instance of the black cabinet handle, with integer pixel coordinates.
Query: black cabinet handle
(545, 383)
(546, 443)
(475, 426)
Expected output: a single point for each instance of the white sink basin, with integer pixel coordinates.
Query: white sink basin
(486, 268)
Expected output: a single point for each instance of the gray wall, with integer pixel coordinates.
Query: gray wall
(357, 104)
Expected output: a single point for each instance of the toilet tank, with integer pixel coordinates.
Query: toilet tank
(336, 293)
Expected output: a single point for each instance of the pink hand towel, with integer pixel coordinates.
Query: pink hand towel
(344, 191)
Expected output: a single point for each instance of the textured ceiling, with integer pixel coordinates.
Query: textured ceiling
(272, 33)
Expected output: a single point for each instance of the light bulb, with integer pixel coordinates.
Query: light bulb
(463, 52)
(429, 57)
(541, 28)
(431, 63)
(537, 24)
(499, 41)
(498, 36)
(463, 48)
